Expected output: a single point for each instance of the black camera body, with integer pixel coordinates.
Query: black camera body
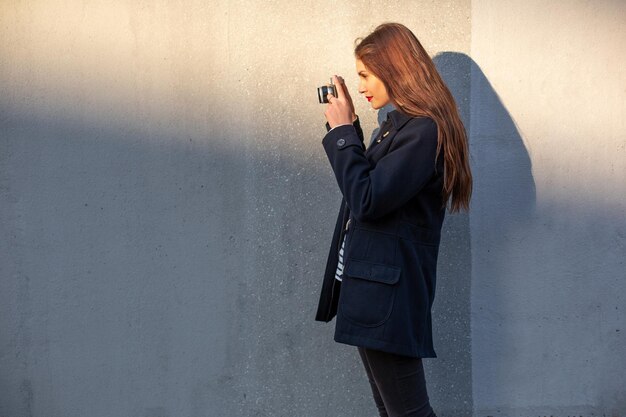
(324, 90)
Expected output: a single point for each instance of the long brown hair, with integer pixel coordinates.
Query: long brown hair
(394, 55)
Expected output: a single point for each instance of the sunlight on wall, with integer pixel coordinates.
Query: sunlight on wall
(111, 64)
(565, 93)
(178, 69)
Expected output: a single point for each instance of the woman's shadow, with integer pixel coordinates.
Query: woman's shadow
(504, 197)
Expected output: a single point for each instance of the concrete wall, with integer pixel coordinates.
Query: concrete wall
(166, 208)
(548, 221)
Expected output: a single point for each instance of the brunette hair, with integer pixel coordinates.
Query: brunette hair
(394, 55)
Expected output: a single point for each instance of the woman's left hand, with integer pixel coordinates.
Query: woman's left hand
(340, 109)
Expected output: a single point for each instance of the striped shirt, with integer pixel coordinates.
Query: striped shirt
(339, 271)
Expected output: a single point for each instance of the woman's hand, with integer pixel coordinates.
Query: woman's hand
(340, 109)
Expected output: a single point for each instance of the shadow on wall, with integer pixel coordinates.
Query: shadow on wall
(179, 273)
(503, 202)
(542, 275)
(501, 169)
(120, 255)
(544, 308)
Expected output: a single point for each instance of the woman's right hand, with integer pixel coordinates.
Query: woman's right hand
(340, 109)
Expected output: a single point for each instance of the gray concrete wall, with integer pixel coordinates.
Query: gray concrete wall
(166, 208)
(548, 221)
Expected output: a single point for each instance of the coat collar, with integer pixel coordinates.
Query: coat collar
(398, 119)
(388, 129)
(389, 117)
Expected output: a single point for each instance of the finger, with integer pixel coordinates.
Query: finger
(330, 97)
(339, 85)
(343, 87)
(346, 93)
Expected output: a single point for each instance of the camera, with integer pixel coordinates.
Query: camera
(324, 90)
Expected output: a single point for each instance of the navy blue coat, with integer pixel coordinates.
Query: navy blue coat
(392, 197)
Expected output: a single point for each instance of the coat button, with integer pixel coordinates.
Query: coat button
(341, 142)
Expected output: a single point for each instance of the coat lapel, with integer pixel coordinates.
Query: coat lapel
(388, 130)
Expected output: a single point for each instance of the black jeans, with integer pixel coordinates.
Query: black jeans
(398, 384)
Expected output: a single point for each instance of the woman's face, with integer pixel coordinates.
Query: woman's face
(372, 87)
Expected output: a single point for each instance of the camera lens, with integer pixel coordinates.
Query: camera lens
(323, 91)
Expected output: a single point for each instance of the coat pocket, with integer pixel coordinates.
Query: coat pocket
(368, 292)
(373, 246)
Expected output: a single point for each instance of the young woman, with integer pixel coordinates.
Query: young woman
(380, 274)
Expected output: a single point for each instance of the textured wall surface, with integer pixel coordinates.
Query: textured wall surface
(166, 208)
(548, 223)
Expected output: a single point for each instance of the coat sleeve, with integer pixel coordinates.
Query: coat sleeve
(357, 127)
(372, 191)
